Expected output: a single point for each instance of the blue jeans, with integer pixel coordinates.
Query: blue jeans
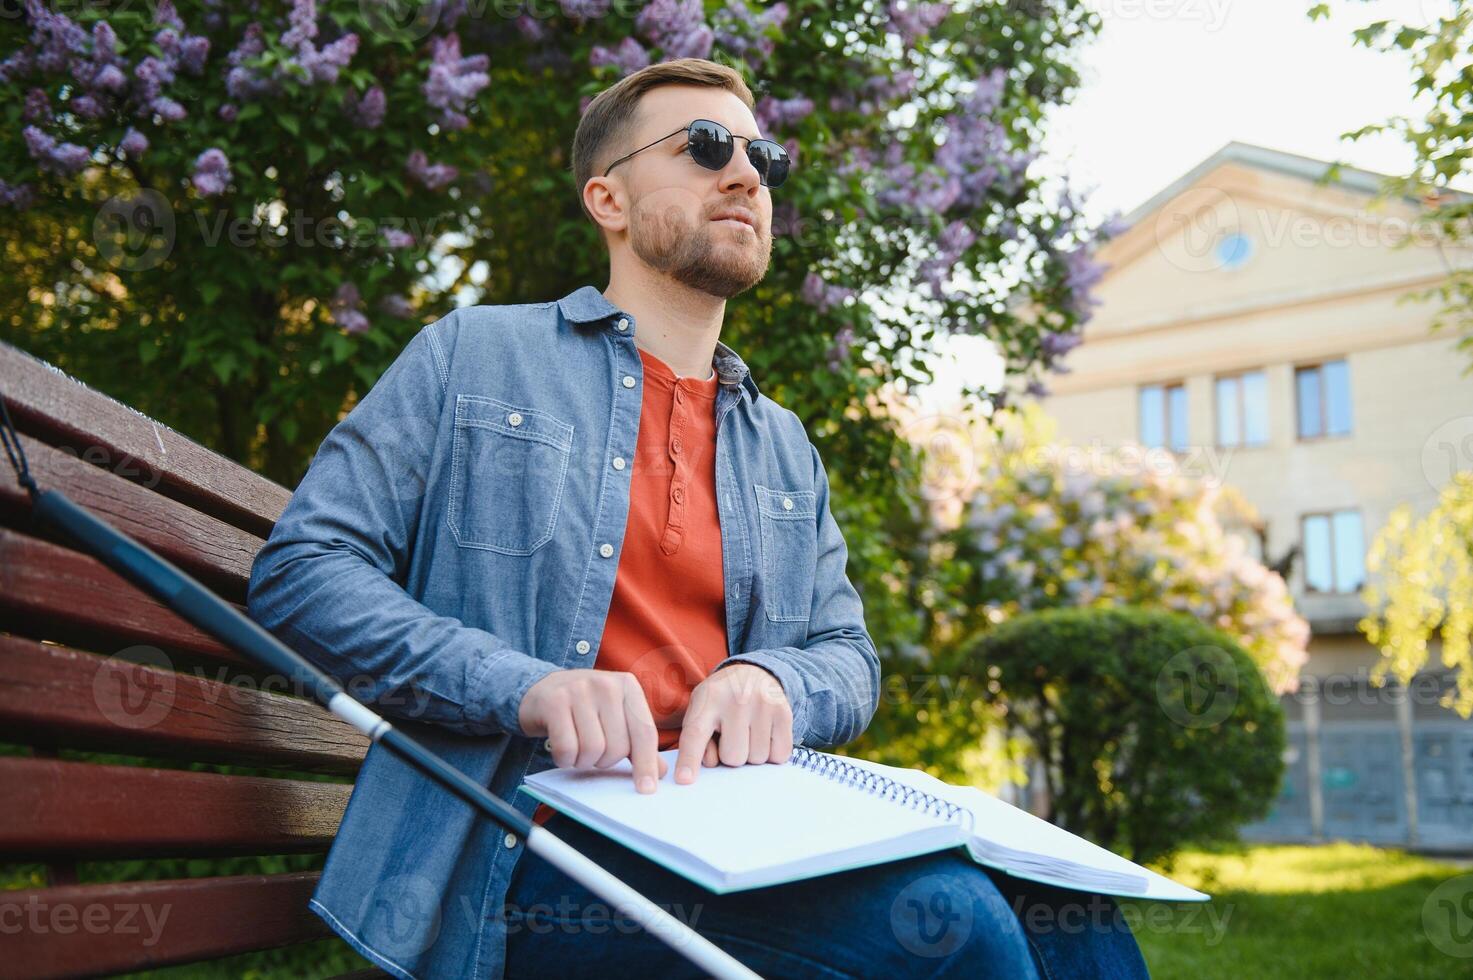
(938, 915)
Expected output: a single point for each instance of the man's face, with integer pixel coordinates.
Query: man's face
(672, 200)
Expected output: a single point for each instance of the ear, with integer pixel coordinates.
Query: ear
(606, 201)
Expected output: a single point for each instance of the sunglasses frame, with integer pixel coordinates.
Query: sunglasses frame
(687, 130)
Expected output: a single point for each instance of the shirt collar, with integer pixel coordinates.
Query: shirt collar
(586, 304)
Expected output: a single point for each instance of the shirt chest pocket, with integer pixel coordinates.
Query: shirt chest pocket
(789, 541)
(508, 468)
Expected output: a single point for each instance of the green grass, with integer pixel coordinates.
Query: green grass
(1281, 911)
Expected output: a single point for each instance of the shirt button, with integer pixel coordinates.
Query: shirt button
(547, 744)
(581, 648)
(606, 549)
(787, 503)
(515, 418)
(618, 462)
(510, 840)
(622, 325)
(678, 494)
(628, 381)
(679, 396)
(675, 446)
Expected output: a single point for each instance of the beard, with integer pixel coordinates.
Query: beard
(711, 257)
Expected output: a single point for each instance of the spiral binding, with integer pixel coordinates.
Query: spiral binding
(836, 768)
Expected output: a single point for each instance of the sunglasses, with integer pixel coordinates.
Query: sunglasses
(711, 145)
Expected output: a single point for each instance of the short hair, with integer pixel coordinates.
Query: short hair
(613, 112)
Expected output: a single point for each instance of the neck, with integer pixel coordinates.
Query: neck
(677, 324)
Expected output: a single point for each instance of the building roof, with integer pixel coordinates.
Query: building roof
(1277, 161)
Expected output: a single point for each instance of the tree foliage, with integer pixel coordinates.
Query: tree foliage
(1425, 591)
(1155, 731)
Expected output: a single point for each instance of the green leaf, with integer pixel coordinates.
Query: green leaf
(209, 292)
(315, 153)
(289, 123)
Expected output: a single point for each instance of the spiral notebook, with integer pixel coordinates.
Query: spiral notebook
(742, 827)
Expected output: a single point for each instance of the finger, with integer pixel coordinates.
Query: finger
(781, 745)
(564, 737)
(736, 734)
(711, 757)
(644, 740)
(761, 740)
(590, 732)
(616, 727)
(695, 734)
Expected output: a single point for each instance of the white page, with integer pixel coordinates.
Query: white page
(1002, 823)
(742, 818)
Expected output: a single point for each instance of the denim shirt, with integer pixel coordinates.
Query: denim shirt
(456, 538)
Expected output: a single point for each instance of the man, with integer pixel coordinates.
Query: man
(575, 532)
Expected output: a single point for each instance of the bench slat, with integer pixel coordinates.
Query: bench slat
(100, 930)
(80, 809)
(65, 595)
(45, 401)
(82, 700)
(217, 553)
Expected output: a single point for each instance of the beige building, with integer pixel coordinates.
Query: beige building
(1254, 321)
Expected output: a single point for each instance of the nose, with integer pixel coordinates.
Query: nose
(739, 173)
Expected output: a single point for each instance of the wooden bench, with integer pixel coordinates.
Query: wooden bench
(88, 662)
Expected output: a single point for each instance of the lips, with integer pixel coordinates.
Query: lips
(741, 216)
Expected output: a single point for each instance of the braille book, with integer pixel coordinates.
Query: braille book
(741, 827)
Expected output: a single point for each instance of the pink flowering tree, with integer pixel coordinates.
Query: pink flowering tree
(1044, 525)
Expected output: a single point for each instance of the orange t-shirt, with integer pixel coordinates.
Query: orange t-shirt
(667, 618)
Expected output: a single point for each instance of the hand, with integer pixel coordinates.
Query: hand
(595, 717)
(747, 707)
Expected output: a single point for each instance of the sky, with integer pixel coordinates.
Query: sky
(1167, 83)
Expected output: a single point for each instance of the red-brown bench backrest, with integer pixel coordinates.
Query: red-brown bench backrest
(89, 662)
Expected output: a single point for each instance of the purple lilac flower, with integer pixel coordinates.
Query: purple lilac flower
(838, 353)
(1058, 344)
(822, 295)
(584, 9)
(432, 176)
(111, 78)
(1082, 273)
(743, 33)
(164, 14)
(367, 110)
(955, 239)
(531, 28)
(396, 305)
(17, 196)
(345, 309)
(677, 27)
(66, 159)
(912, 21)
(775, 114)
(85, 106)
(56, 37)
(193, 51)
(454, 81)
(211, 172)
(398, 238)
(133, 143)
(242, 82)
(37, 107)
(228, 111)
(628, 57)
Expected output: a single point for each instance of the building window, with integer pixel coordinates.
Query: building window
(1334, 552)
(1163, 422)
(1324, 399)
(1242, 410)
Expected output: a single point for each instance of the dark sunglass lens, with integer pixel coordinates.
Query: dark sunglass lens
(771, 161)
(710, 144)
